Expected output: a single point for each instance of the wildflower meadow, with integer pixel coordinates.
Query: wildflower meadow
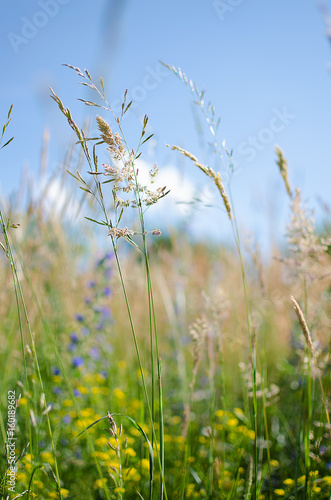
(142, 364)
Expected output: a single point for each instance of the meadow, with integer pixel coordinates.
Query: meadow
(136, 364)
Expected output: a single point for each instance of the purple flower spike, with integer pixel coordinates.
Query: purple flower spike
(95, 353)
(72, 347)
(74, 337)
(107, 291)
(106, 312)
(108, 273)
(77, 361)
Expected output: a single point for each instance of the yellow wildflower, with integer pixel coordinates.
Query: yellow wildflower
(47, 456)
(119, 490)
(175, 420)
(232, 422)
(100, 483)
(250, 433)
(101, 441)
(82, 389)
(130, 452)
(87, 412)
(119, 394)
(144, 463)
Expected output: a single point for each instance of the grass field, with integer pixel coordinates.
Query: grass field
(141, 365)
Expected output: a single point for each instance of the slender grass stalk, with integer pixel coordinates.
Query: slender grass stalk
(153, 328)
(229, 206)
(9, 254)
(252, 344)
(107, 136)
(20, 300)
(213, 124)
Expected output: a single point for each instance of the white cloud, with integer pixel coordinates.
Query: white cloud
(59, 199)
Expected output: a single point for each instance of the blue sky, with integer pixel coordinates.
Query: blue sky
(264, 66)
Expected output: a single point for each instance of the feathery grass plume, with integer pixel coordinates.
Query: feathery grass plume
(303, 324)
(307, 249)
(215, 176)
(198, 332)
(283, 167)
(114, 141)
(249, 483)
(116, 447)
(207, 109)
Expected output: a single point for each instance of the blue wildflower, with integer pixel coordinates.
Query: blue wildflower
(95, 353)
(74, 337)
(56, 371)
(79, 317)
(106, 311)
(107, 291)
(77, 361)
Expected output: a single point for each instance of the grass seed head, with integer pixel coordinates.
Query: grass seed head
(283, 167)
(216, 177)
(303, 324)
(114, 141)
